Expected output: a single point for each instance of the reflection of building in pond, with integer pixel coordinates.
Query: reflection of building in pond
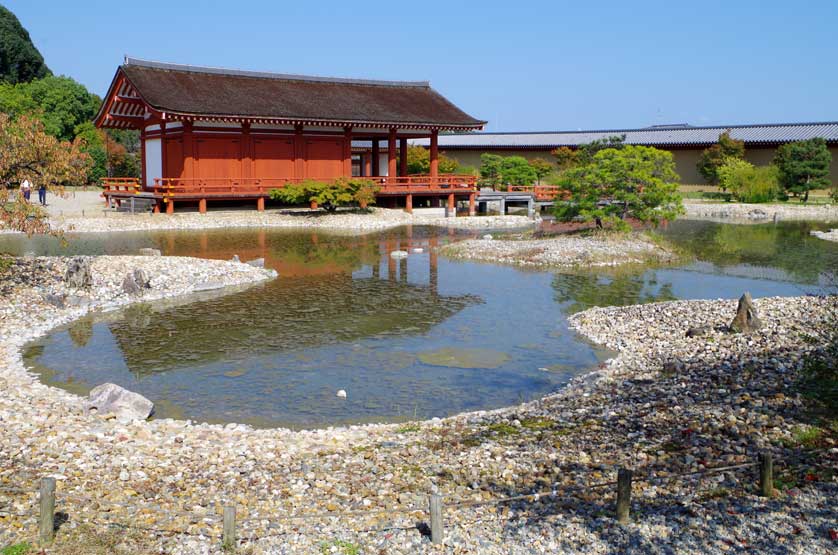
(309, 254)
(315, 311)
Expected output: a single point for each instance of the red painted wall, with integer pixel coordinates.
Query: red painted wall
(260, 156)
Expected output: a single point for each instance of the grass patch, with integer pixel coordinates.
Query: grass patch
(537, 423)
(502, 429)
(408, 428)
(17, 549)
(340, 546)
(805, 436)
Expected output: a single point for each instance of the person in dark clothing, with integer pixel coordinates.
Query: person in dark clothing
(42, 194)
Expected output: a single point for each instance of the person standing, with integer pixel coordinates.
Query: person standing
(26, 190)
(42, 194)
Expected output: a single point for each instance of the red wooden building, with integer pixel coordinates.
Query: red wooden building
(217, 134)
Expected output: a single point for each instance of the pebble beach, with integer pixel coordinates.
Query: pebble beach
(667, 404)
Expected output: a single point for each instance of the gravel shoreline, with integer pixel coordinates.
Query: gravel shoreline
(728, 397)
(375, 219)
(756, 213)
(564, 251)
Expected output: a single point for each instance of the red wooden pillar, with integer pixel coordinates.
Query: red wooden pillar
(163, 157)
(188, 150)
(434, 153)
(246, 158)
(170, 206)
(451, 205)
(392, 171)
(471, 208)
(142, 158)
(299, 152)
(376, 158)
(260, 204)
(408, 204)
(202, 205)
(347, 151)
(402, 157)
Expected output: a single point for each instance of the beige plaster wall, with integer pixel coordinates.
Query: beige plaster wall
(685, 160)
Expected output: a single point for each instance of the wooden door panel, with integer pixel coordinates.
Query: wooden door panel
(273, 158)
(324, 158)
(174, 158)
(218, 158)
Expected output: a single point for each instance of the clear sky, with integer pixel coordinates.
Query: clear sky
(524, 66)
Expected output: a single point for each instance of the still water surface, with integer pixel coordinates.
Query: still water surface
(406, 339)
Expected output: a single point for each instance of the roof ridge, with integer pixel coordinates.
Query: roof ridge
(653, 129)
(129, 61)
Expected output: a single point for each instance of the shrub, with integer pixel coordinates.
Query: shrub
(747, 182)
(328, 194)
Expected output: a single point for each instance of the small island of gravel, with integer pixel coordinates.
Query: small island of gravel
(588, 249)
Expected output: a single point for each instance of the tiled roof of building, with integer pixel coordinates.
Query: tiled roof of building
(191, 91)
(658, 135)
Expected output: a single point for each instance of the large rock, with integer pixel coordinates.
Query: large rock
(136, 282)
(110, 399)
(746, 319)
(150, 252)
(78, 274)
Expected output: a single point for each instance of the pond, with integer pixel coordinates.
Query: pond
(406, 339)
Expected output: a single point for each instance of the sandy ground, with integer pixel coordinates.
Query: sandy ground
(75, 203)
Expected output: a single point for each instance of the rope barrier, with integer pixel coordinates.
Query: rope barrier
(211, 519)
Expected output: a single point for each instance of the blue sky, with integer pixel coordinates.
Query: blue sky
(524, 66)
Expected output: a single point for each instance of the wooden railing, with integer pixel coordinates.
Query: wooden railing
(121, 185)
(541, 192)
(422, 183)
(223, 187)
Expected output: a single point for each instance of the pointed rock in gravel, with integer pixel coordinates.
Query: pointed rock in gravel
(746, 319)
(110, 398)
(78, 274)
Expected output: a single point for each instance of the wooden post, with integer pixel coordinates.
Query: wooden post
(170, 206)
(202, 206)
(766, 475)
(403, 157)
(452, 207)
(434, 155)
(376, 159)
(260, 204)
(623, 494)
(228, 534)
(471, 209)
(408, 204)
(46, 523)
(436, 518)
(347, 151)
(392, 171)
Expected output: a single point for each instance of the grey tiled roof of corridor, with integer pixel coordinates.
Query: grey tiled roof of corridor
(675, 135)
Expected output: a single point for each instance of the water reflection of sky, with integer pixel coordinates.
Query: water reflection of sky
(344, 315)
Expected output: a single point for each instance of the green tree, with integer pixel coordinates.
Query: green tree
(419, 161)
(516, 170)
(542, 168)
(587, 151)
(20, 61)
(715, 157)
(490, 168)
(747, 182)
(328, 194)
(638, 181)
(803, 166)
